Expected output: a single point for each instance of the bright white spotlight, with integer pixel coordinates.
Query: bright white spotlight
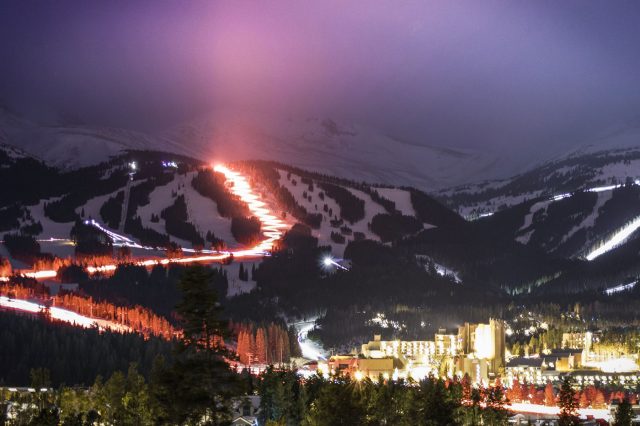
(327, 261)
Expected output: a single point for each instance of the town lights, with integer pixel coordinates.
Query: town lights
(358, 375)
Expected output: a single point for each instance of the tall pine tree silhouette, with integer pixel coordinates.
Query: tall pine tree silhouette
(198, 387)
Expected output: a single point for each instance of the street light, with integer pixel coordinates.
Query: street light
(328, 261)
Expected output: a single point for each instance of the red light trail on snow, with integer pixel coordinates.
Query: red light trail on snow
(272, 228)
(61, 314)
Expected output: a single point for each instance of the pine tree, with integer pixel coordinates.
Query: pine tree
(252, 344)
(568, 403)
(261, 346)
(466, 387)
(199, 386)
(598, 400)
(524, 392)
(549, 397)
(514, 394)
(623, 414)
(584, 400)
(294, 345)
(241, 272)
(531, 394)
(243, 347)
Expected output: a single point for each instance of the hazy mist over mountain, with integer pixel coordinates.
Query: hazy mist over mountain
(526, 80)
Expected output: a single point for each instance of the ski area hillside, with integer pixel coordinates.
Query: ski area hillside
(157, 200)
(340, 149)
(611, 158)
(334, 148)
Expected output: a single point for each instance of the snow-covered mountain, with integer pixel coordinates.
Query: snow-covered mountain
(74, 146)
(331, 147)
(344, 149)
(612, 157)
(337, 211)
(323, 145)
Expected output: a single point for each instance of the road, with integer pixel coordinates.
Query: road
(526, 408)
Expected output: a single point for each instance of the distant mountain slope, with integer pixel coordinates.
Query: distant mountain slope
(570, 226)
(612, 157)
(74, 146)
(47, 201)
(339, 149)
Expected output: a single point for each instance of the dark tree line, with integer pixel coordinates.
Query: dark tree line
(392, 227)
(428, 210)
(87, 183)
(157, 289)
(111, 210)
(74, 356)
(24, 248)
(10, 216)
(177, 222)
(351, 207)
(287, 400)
(90, 241)
(212, 185)
(246, 230)
(139, 196)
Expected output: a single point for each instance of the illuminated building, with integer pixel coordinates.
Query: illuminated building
(578, 340)
(338, 365)
(539, 370)
(526, 370)
(245, 411)
(413, 358)
(446, 344)
(477, 350)
(483, 347)
(384, 367)
(359, 368)
(563, 360)
(378, 348)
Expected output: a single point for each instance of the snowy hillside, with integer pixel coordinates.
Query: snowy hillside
(610, 158)
(320, 144)
(311, 201)
(74, 146)
(9, 154)
(572, 225)
(332, 147)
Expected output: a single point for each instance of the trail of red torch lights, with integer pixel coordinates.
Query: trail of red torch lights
(272, 228)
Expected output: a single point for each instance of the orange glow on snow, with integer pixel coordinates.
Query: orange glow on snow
(272, 228)
(60, 314)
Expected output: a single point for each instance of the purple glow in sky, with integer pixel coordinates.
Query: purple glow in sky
(494, 74)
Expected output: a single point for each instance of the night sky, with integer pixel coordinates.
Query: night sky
(529, 76)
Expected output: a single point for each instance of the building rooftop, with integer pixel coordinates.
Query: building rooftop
(525, 362)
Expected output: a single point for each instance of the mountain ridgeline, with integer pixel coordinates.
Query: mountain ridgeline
(177, 202)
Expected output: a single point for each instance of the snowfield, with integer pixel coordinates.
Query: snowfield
(316, 205)
(401, 197)
(202, 211)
